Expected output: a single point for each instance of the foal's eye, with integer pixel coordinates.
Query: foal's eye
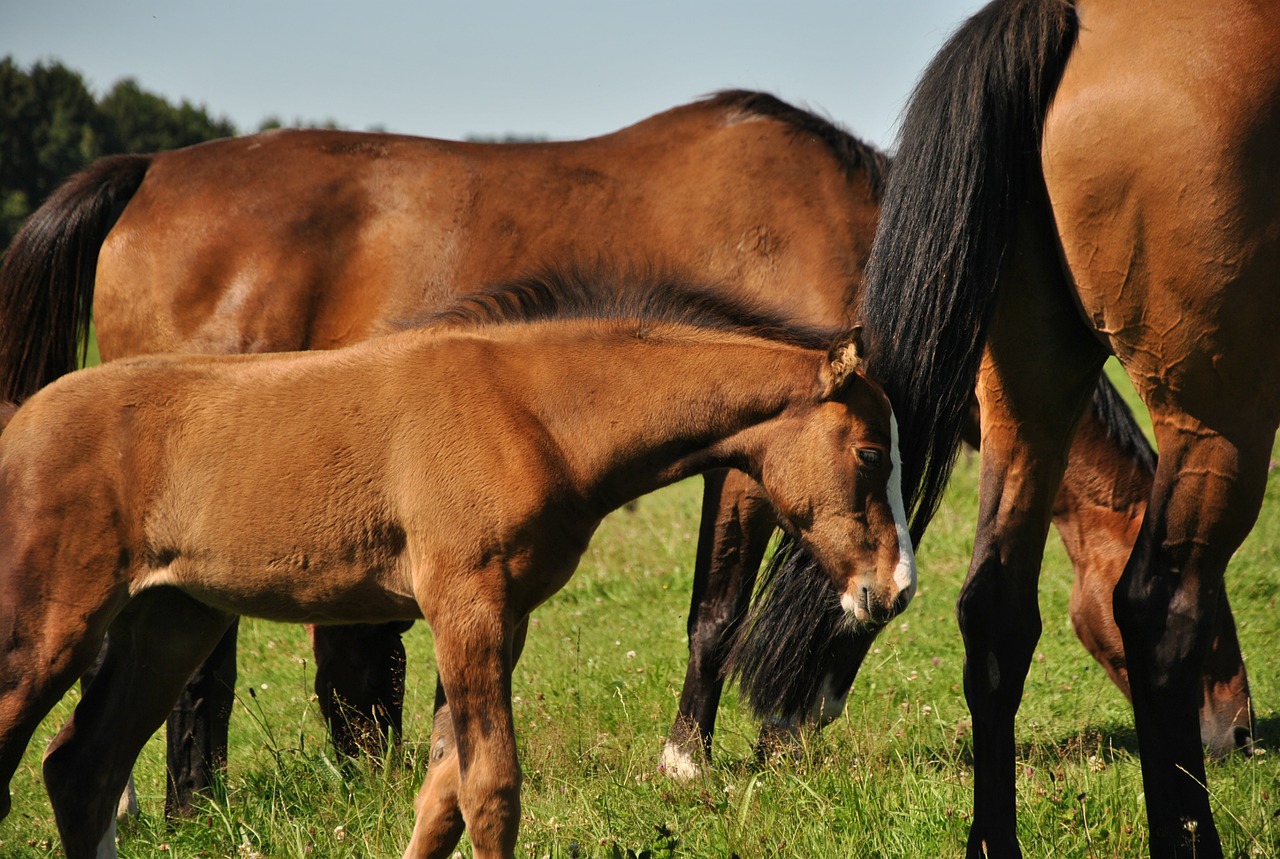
(870, 457)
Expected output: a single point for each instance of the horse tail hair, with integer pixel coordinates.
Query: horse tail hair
(794, 637)
(968, 154)
(1121, 426)
(46, 281)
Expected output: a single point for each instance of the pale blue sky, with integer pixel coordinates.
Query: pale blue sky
(561, 68)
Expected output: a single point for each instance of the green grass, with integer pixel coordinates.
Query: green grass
(596, 691)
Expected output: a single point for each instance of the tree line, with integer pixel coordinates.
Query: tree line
(51, 125)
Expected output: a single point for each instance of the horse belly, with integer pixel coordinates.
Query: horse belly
(290, 589)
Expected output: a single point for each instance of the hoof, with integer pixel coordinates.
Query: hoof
(678, 764)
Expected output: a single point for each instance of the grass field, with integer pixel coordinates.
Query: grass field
(596, 691)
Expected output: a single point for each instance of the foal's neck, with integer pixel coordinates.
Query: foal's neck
(655, 410)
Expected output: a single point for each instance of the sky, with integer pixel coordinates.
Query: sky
(561, 69)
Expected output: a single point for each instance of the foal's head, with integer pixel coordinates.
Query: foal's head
(838, 488)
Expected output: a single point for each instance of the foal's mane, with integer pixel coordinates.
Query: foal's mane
(853, 154)
(571, 293)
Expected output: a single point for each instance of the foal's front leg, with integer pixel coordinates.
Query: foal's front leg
(476, 648)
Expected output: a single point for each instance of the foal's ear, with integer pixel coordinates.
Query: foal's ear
(843, 359)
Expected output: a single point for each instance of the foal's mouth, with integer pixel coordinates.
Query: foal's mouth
(862, 610)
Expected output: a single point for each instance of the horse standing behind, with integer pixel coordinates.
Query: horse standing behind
(292, 240)
(454, 473)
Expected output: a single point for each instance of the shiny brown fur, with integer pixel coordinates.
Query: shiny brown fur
(1073, 180)
(454, 473)
(293, 240)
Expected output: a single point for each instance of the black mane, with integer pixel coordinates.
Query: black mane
(571, 293)
(853, 154)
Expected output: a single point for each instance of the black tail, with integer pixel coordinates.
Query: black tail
(796, 634)
(968, 151)
(46, 282)
(793, 635)
(1122, 428)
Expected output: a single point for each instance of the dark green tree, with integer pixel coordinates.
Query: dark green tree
(141, 121)
(51, 126)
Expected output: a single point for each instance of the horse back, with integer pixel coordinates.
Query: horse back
(316, 239)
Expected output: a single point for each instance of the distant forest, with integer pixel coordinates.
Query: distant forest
(51, 125)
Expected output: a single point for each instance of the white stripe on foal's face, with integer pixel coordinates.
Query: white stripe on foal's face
(904, 574)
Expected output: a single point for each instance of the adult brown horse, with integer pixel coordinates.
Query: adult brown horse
(294, 240)
(454, 473)
(1073, 180)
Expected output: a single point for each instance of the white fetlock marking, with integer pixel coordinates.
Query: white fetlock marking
(107, 846)
(678, 764)
(128, 806)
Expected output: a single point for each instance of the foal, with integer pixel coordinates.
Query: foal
(451, 473)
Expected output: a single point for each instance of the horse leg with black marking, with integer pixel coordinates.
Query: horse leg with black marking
(155, 643)
(737, 522)
(1029, 413)
(1207, 495)
(196, 730)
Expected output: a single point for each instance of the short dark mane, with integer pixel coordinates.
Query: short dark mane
(572, 293)
(853, 154)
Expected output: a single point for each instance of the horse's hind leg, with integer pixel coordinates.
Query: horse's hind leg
(1207, 494)
(128, 804)
(1098, 512)
(196, 730)
(737, 522)
(45, 650)
(155, 643)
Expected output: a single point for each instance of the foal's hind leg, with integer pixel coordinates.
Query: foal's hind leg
(43, 654)
(155, 643)
(1206, 497)
(737, 522)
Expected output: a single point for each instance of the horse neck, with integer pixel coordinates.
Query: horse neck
(650, 412)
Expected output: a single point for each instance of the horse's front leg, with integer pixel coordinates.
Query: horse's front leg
(737, 522)
(1206, 497)
(474, 776)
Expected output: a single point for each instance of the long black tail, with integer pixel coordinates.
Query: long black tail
(46, 282)
(968, 151)
(796, 635)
